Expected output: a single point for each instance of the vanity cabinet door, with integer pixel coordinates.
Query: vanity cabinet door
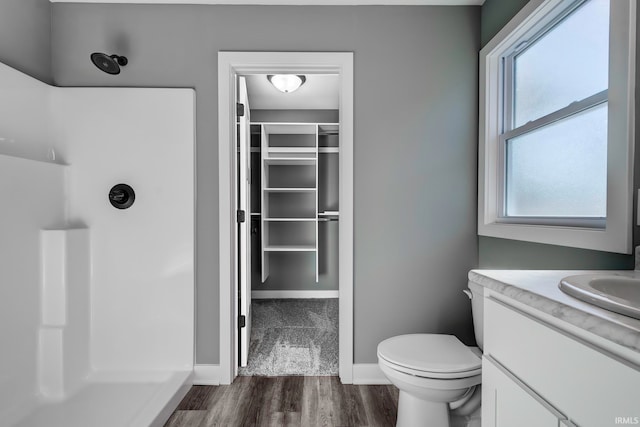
(593, 387)
(507, 402)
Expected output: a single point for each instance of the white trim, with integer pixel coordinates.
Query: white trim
(284, 294)
(226, 242)
(345, 238)
(206, 375)
(230, 64)
(617, 236)
(369, 374)
(294, 2)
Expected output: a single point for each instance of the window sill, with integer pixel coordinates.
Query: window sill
(611, 239)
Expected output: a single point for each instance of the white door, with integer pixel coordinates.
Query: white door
(244, 233)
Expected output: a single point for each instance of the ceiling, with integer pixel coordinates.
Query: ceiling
(319, 92)
(293, 2)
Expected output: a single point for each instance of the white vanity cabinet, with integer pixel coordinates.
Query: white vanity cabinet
(537, 374)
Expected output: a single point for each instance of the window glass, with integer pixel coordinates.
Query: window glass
(560, 169)
(567, 64)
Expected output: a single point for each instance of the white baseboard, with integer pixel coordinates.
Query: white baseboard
(293, 294)
(363, 374)
(368, 374)
(206, 375)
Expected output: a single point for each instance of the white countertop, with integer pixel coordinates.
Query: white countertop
(539, 289)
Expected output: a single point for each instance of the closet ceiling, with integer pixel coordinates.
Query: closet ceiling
(320, 92)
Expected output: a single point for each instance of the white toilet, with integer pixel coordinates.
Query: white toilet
(438, 376)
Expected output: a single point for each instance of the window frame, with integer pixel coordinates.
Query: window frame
(613, 233)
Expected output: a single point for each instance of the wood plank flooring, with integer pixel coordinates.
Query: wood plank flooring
(287, 401)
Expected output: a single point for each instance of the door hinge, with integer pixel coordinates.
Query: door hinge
(242, 321)
(239, 109)
(240, 216)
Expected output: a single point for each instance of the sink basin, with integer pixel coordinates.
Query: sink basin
(620, 294)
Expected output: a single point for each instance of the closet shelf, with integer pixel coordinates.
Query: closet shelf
(328, 150)
(328, 219)
(290, 248)
(292, 150)
(290, 161)
(290, 219)
(290, 190)
(289, 128)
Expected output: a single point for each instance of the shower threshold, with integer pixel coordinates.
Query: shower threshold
(137, 399)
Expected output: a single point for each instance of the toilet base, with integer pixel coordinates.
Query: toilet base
(413, 412)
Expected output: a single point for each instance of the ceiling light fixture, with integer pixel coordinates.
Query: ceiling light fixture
(286, 82)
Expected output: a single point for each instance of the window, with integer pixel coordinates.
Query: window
(556, 125)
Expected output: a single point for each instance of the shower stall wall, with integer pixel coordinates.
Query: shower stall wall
(96, 303)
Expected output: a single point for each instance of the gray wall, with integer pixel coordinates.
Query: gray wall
(415, 137)
(495, 14)
(25, 29)
(511, 254)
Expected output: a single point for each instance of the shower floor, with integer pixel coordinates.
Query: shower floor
(104, 403)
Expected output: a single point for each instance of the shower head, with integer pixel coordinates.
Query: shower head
(110, 64)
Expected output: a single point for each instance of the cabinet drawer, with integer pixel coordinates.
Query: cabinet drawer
(591, 388)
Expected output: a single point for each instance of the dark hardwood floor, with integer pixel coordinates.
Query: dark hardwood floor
(287, 401)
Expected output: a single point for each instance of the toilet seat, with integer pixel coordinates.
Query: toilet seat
(433, 375)
(430, 356)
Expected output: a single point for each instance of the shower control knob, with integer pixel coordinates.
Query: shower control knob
(121, 196)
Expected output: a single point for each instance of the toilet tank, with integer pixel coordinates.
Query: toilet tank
(477, 310)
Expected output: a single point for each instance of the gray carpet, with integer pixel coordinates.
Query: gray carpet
(293, 337)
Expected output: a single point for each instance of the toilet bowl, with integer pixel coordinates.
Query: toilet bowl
(436, 374)
(431, 371)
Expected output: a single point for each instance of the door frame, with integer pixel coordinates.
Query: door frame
(231, 64)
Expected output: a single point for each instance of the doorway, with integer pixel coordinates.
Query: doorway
(288, 187)
(231, 65)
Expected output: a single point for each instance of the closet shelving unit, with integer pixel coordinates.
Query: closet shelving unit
(289, 188)
(328, 147)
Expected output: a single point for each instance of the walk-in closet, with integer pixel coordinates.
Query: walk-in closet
(291, 225)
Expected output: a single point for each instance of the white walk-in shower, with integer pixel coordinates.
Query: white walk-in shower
(96, 303)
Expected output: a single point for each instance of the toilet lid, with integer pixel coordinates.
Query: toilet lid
(429, 353)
